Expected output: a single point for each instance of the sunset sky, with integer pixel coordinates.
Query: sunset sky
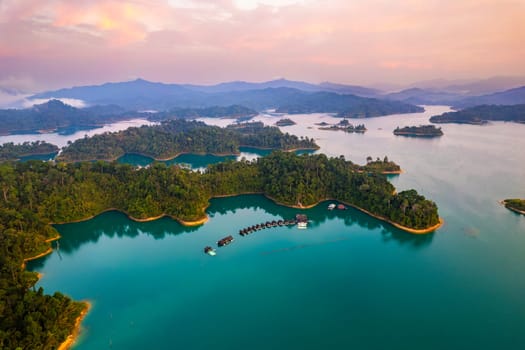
(57, 43)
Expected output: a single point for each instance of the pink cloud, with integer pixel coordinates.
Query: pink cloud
(207, 41)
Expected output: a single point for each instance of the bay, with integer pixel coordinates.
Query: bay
(348, 281)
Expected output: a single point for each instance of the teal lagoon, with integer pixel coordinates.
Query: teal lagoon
(201, 161)
(348, 281)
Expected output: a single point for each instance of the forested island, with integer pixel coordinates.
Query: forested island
(233, 112)
(517, 205)
(171, 138)
(11, 151)
(419, 131)
(480, 115)
(343, 125)
(285, 122)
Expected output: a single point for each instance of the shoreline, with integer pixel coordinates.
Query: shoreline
(399, 226)
(72, 338)
(167, 159)
(504, 203)
(205, 218)
(148, 219)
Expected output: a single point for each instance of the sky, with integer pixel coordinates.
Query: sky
(58, 43)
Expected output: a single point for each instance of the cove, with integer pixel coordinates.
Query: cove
(201, 161)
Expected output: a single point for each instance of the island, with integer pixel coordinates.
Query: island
(285, 122)
(343, 125)
(36, 194)
(11, 151)
(174, 137)
(516, 205)
(419, 131)
(480, 115)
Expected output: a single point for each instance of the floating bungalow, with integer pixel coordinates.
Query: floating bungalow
(225, 241)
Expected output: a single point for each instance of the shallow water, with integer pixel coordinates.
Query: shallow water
(348, 281)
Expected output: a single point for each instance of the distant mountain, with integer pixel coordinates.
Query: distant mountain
(424, 97)
(284, 83)
(481, 114)
(508, 97)
(143, 95)
(350, 106)
(245, 86)
(472, 87)
(54, 115)
(350, 89)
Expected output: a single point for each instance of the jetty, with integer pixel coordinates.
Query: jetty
(301, 220)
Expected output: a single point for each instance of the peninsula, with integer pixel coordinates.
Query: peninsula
(480, 115)
(35, 194)
(419, 131)
(516, 205)
(174, 137)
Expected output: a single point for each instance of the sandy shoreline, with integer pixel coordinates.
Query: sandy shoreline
(70, 340)
(399, 226)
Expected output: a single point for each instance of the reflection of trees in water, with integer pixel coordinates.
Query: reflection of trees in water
(115, 224)
(318, 216)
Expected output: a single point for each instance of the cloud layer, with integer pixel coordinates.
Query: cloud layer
(63, 42)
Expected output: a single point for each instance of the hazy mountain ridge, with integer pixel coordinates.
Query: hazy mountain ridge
(141, 94)
(479, 115)
(507, 97)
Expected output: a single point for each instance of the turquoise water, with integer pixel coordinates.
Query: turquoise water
(199, 161)
(348, 281)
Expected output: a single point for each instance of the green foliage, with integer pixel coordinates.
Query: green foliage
(480, 115)
(233, 111)
(517, 204)
(422, 130)
(173, 137)
(10, 151)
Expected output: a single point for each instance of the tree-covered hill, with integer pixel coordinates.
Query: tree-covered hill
(482, 114)
(173, 137)
(11, 151)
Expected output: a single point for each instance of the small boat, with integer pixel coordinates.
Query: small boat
(209, 250)
(341, 207)
(331, 206)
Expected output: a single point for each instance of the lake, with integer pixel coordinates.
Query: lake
(348, 281)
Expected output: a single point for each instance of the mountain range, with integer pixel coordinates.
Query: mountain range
(141, 94)
(294, 97)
